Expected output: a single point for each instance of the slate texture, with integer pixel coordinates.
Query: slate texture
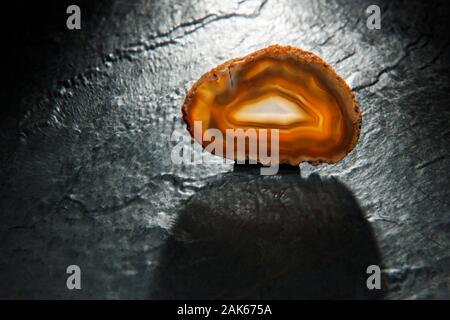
(87, 178)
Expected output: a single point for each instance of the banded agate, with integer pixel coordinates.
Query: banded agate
(282, 88)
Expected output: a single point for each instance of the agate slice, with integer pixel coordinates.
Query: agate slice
(282, 88)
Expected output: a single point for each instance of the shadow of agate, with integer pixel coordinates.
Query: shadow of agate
(248, 236)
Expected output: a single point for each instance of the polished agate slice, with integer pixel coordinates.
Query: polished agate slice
(282, 88)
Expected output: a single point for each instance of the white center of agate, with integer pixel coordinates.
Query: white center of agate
(273, 111)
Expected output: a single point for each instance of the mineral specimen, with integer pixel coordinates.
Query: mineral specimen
(282, 88)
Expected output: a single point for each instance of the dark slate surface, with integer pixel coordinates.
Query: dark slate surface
(87, 177)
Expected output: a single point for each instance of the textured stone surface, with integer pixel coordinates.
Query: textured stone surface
(87, 177)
